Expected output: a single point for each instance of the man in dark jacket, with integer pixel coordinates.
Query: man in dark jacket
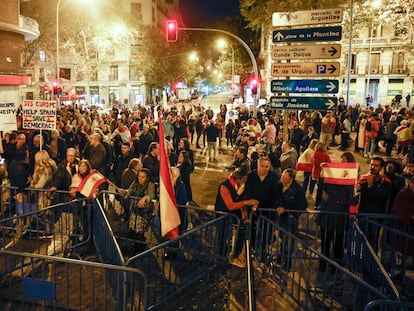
(62, 178)
(291, 196)
(231, 199)
(121, 162)
(151, 161)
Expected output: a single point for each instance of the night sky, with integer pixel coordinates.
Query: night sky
(201, 12)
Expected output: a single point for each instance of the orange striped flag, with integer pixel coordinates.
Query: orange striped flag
(170, 219)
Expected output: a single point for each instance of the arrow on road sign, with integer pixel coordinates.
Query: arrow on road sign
(333, 51)
(306, 51)
(330, 104)
(303, 103)
(332, 86)
(278, 36)
(333, 33)
(324, 69)
(332, 69)
(305, 86)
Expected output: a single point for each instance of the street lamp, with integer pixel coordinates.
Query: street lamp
(375, 4)
(57, 48)
(222, 43)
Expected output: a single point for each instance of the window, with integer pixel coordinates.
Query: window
(136, 11)
(113, 73)
(397, 62)
(42, 56)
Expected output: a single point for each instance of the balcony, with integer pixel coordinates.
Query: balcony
(27, 27)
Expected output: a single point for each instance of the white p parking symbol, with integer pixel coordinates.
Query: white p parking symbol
(321, 69)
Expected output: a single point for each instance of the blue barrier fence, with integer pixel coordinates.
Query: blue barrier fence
(286, 250)
(54, 283)
(294, 265)
(396, 252)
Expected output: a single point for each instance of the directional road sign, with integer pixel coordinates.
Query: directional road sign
(323, 69)
(303, 103)
(305, 86)
(323, 16)
(327, 51)
(333, 33)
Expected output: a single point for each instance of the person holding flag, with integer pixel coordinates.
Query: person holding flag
(337, 186)
(86, 182)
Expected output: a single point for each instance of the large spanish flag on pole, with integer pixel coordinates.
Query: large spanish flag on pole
(170, 219)
(340, 173)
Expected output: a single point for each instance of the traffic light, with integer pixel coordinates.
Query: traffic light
(55, 88)
(171, 31)
(45, 88)
(253, 86)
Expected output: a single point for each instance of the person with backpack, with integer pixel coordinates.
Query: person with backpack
(371, 133)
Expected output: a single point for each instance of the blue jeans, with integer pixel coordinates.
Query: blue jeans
(370, 146)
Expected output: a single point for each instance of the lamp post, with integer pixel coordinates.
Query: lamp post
(57, 49)
(375, 4)
(222, 43)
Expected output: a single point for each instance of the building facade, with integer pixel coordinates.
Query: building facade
(15, 29)
(114, 81)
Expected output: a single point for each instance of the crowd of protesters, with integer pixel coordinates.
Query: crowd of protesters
(122, 143)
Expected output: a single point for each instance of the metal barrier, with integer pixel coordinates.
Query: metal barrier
(68, 284)
(117, 212)
(19, 201)
(364, 262)
(51, 230)
(284, 257)
(308, 223)
(396, 252)
(389, 305)
(175, 265)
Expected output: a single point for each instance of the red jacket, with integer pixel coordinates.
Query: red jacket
(374, 128)
(318, 157)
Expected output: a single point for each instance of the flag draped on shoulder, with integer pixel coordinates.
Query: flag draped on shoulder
(170, 219)
(342, 173)
(91, 183)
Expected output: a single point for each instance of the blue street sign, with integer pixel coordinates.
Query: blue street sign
(303, 103)
(305, 86)
(308, 34)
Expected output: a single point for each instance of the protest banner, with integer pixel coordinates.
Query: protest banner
(39, 115)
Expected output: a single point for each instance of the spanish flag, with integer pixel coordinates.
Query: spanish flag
(340, 173)
(170, 219)
(72, 93)
(91, 183)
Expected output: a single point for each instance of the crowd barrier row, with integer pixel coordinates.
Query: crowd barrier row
(288, 250)
(377, 255)
(35, 274)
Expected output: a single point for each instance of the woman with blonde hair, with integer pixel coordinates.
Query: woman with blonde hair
(44, 169)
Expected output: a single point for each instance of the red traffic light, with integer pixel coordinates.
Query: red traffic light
(45, 88)
(55, 88)
(171, 31)
(253, 85)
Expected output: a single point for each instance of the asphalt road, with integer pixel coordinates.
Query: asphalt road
(208, 175)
